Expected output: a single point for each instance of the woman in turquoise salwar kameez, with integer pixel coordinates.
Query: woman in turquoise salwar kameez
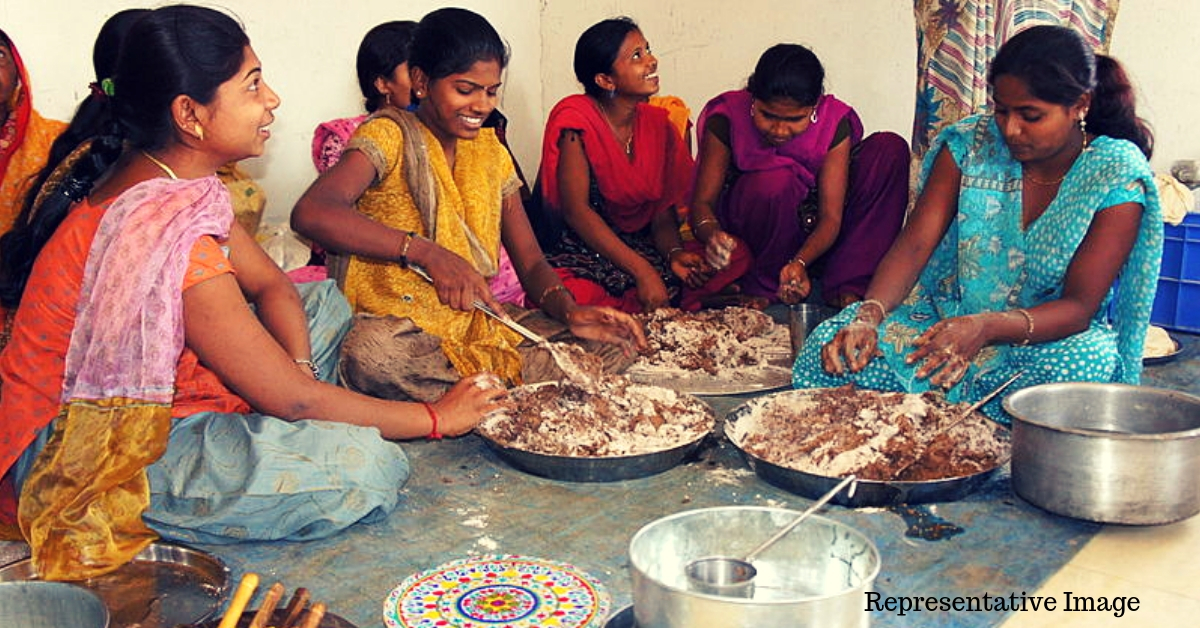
(1026, 218)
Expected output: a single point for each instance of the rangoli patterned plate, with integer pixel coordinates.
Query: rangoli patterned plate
(498, 592)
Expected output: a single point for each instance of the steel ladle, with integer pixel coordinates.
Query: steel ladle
(734, 577)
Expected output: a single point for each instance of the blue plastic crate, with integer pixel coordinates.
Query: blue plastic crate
(1177, 303)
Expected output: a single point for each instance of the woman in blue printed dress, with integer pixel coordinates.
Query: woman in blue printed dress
(1026, 217)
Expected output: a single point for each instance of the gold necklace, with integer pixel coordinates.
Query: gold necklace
(616, 135)
(1033, 179)
(165, 167)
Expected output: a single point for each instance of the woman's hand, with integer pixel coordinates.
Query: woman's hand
(854, 346)
(794, 284)
(947, 349)
(467, 403)
(458, 284)
(608, 325)
(651, 291)
(718, 249)
(691, 268)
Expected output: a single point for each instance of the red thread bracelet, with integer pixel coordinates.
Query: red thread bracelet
(433, 433)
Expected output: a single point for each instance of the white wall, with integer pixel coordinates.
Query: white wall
(868, 48)
(307, 48)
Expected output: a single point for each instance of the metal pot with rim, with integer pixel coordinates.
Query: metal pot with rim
(1111, 453)
(818, 575)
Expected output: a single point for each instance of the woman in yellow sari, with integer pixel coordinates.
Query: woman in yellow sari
(395, 202)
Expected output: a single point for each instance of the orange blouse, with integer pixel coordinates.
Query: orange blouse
(32, 365)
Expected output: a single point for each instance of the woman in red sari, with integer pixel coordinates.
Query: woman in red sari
(614, 172)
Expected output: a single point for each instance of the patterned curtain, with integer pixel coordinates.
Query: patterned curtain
(956, 40)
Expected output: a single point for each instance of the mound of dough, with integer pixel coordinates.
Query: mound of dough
(875, 435)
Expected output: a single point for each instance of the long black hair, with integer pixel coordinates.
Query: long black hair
(1058, 67)
(167, 52)
(597, 49)
(788, 71)
(94, 111)
(449, 41)
(383, 48)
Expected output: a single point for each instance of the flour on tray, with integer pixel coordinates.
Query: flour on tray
(733, 343)
(610, 416)
(876, 435)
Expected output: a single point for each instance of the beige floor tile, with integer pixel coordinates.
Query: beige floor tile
(1156, 607)
(1163, 557)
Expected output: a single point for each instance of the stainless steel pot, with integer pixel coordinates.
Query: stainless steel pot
(1111, 453)
(818, 575)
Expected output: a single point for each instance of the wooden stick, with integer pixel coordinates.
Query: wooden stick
(245, 590)
(294, 607)
(313, 618)
(267, 608)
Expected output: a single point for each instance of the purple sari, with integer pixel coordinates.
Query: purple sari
(762, 204)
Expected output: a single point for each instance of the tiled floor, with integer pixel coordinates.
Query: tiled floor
(1159, 565)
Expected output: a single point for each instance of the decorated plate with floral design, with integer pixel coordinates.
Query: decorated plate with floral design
(498, 592)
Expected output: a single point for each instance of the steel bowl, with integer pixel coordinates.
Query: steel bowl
(595, 469)
(1111, 453)
(817, 575)
(50, 605)
(868, 492)
(601, 468)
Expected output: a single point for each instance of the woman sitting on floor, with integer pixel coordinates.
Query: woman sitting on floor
(437, 190)
(783, 167)
(614, 172)
(25, 139)
(1026, 217)
(142, 393)
(383, 78)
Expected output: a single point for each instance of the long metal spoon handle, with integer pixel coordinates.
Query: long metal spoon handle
(795, 522)
(999, 389)
(482, 307)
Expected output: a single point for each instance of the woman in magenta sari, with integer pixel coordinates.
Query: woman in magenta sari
(784, 167)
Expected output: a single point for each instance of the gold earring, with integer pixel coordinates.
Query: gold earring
(199, 132)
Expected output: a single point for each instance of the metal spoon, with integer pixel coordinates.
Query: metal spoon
(734, 577)
(525, 332)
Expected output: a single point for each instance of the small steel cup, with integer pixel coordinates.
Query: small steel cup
(718, 575)
(802, 319)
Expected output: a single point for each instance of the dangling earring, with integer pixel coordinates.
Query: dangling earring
(1083, 129)
(612, 93)
(199, 132)
(813, 117)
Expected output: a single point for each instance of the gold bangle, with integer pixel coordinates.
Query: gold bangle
(707, 221)
(549, 291)
(1028, 326)
(408, 238)
(800, 260)
(877, 303)
(672, 252)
